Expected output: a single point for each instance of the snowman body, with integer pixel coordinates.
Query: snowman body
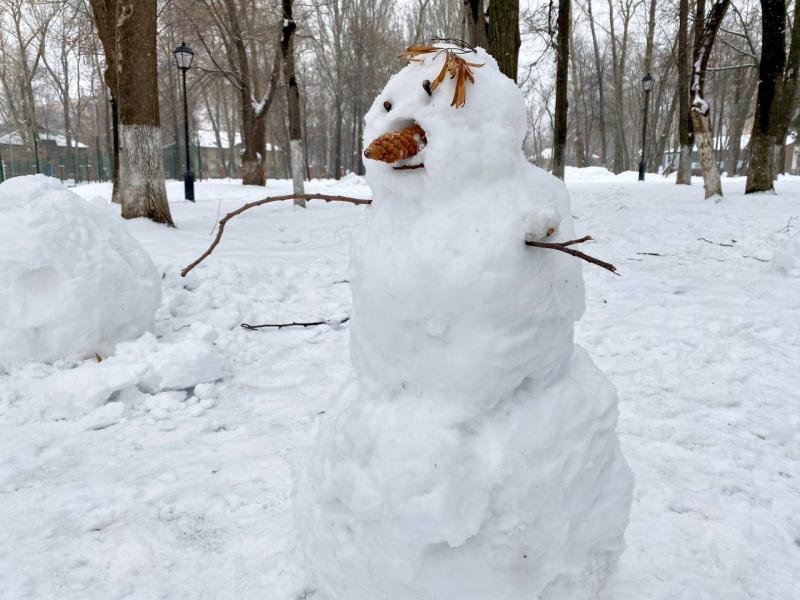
(472, 454)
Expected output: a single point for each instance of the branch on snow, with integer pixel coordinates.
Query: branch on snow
(292, 324)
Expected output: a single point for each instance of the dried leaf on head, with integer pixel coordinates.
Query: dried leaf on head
(454, 65)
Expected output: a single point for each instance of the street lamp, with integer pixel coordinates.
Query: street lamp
(647, 85)
(183, 58)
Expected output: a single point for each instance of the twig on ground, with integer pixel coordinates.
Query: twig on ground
(788, 225)
(249, 205)
(702, 239)
(292, 324)
(649, 253)
(564, 247)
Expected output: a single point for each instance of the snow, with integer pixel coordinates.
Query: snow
(73, 282)
(787, 256)
(700, 340)
(473, 437)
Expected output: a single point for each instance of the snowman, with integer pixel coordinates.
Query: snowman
(472, 453)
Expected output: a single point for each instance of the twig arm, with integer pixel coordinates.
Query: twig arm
(565, 247)
(267, 200)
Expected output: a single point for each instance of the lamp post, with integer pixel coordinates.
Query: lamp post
(647, 85)
(183, 58)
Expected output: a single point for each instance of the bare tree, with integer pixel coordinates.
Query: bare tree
(599, 73)
(684, 176)
(785, 103)
(475, 19)
(21, 53)
(503, 35)
(127, 29)
(700, 110)
(773, 59)
(296, 155)
(562, 76)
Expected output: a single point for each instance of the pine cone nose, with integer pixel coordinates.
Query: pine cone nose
(397, 145)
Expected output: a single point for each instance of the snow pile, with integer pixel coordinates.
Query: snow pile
(787, 256)
(73, 282)
(472, 454)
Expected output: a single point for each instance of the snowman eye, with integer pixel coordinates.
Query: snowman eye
(387, 105)
(426, 85)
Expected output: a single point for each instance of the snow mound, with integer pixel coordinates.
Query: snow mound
(787, 256)
(472, 454)
(73, 282)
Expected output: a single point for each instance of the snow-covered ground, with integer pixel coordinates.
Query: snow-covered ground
(130, 479)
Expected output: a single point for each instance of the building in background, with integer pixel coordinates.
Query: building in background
(54, 157)
(214, 157)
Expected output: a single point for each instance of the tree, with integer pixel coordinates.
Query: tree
(598, 62)
(770, 70)
(562, 76)
(785, 103)
(127, 30)
(296, 156)
(504, 38)
(20, 62)
(619, 57)
(684, 176)
(476, 34)
(701, 109)
(230, 42)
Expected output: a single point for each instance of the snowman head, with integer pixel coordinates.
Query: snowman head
(448, 117)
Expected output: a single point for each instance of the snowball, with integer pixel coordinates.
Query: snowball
(175, 365)
(473, 453)
(73, 282)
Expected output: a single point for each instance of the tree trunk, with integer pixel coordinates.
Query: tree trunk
(253, 155)
(503, 36)
(684, 176)
(580, 151)
(598, 63)
(701, 109)
(142, 191)
(337, 137)
(785, 104)
(703, 137)
(296, 157)
(770, 69)
(663, 138)
(562, 77)
(618, 65)
(104, 13)
(476, 23)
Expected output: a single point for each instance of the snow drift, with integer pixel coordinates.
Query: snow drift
(472, 454)
(72, 280)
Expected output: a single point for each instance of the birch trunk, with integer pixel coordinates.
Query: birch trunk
(701, 110)
(704, 139)
(684, 176)
(296, 158)
(142, 191)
